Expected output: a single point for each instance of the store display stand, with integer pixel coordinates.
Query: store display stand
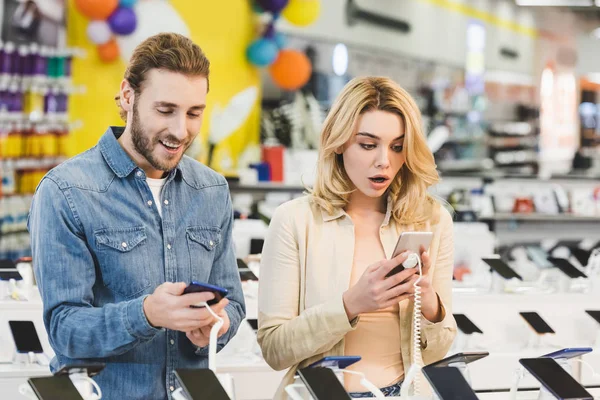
(544, 394)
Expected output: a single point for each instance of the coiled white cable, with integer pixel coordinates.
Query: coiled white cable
(212, 340)
(412, 376)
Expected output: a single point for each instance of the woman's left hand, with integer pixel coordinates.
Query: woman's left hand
(430, 302)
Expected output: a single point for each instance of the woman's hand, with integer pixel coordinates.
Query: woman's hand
(430, 302)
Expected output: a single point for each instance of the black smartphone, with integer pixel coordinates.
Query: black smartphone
(7, 264)
(200, 384)
(88, 369)
(7, 274)
(465, 324)
(248, 276)
(241, 264)
(502, 268)
(536, 322)
(25, 337)
(582, 255)
(322, 384)
(594, 314)
(466, 358)
(566, 267)
(253, 322)
(197, 287)
(256, 246)
(554, 378)
(54, 388)
(449, 383)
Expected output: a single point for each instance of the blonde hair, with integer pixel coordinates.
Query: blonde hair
(411, 203)
(167, 51)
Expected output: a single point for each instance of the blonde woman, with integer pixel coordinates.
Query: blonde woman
(323, 286)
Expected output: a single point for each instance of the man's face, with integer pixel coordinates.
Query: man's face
(167, 116)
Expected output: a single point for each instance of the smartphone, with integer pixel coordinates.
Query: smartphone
(568, 353)
(582, 255)
(323, 384)
(594, 314)
(25, 337)
(7, 264)
(538, 256)
(567, 268)
(502, 268)
(88, 369)
(340, 362)
(536, 322)
(465, 324)
(466, 358)
(7, 274)
(54, 388)
(200, 384)
(449, 383)
(413, 241)
(196, 287)
(253, 322)
(241, 264)
(554, 378)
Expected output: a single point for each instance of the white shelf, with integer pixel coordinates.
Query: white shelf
(541, 217)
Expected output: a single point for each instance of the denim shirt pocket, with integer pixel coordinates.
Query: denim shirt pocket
(122, 259)
(202, 243)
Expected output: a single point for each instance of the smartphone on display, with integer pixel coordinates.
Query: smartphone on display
(58, 387)
(536, 322)
(465, 324)
(200, 384)
(466, 358)
(412, 241)
(25, 337)
(566, 267)
(568, 353)
(323, 384)
(7, 264)
(594, 314)
(554, 378)
(449, 383)
(88, 369)
(197, 287)
(7, 274)
(502, 268)
(538, 256)
(340, 362)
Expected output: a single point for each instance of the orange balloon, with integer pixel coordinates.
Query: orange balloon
(96, 9)
(291, 70)
(108, 51)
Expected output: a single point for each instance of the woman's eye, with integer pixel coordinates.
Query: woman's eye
(367, 146)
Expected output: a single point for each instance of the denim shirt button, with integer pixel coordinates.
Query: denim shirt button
(211, 243)
(172, 342)
(166, 202)
(124, 244)
(149, 202)
(169, 246)
(171, 388)
(139, 173)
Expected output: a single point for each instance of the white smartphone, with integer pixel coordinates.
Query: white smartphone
(412, 241)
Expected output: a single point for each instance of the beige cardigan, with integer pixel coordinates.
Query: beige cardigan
(305, 269)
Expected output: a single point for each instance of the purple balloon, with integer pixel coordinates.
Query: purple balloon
(122, 21)
(274, 6)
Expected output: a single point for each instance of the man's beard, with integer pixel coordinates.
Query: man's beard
(144, 145)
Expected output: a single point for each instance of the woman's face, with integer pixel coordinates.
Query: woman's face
(374, 155)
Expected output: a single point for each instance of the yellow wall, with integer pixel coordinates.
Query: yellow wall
(222, 29)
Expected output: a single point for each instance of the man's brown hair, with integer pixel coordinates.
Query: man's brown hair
(167, 51)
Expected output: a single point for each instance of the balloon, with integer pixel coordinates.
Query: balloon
(291, 70)
(123, 21)
(302, 12)
(262, 52)
(96, 9)
(109, 51)
(257, 8)
(98, 32)
(127, 3)
(280, 40)
(274, 6)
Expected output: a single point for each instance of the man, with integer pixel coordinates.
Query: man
(119, 231)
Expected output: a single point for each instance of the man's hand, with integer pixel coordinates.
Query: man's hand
(201, 336)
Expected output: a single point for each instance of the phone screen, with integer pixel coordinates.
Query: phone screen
(201, 384)
(566, 267)
(555, 378)
(594, 314)
(465, 324)
(502, 268)
(25, 337)
(466, 358)
(537, 322)
(199, 287)
(54, 388)
(323, 384)
(449, 383)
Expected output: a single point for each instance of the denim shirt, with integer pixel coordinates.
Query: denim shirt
(100, 247)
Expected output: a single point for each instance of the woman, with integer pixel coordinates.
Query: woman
(323, 286)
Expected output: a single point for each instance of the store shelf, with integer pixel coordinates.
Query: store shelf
(266, 187)
(541, 217)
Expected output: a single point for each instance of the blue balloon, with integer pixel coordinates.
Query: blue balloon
(122, 21)
(127, 3)
(281, 40)
(262, 52)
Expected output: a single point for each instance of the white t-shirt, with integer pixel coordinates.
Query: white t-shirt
(156, 186)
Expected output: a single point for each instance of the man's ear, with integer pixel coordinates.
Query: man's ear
(127, 96)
